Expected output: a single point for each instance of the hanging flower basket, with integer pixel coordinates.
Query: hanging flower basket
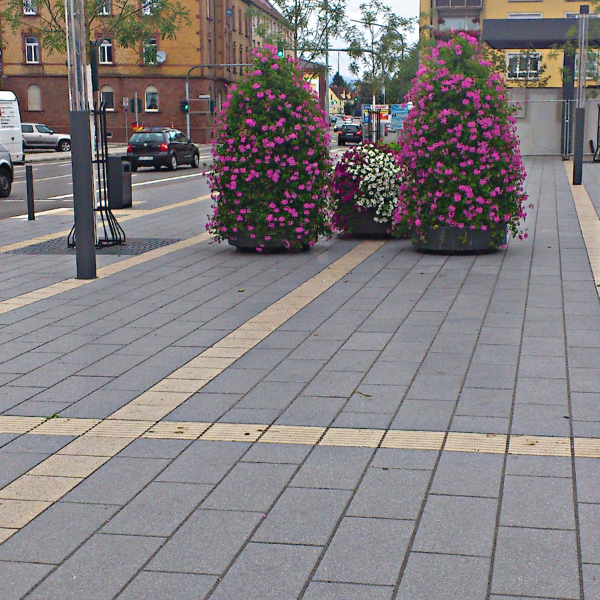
(462, 172)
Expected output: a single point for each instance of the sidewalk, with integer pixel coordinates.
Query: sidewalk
(36, 157)
(359, 422)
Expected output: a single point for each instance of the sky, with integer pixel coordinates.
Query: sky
(403, 8)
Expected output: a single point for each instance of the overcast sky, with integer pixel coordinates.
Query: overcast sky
(403, 8)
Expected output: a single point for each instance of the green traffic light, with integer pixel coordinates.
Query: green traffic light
(280, 49)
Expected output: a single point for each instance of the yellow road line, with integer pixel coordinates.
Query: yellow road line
(124, 216)
(31, 493)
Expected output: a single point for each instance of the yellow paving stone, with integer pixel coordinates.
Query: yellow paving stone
(188, 386)
(234, 432)
(228, 342)
(413, 440)
(198, 374)
(247, 334)
(17, 513)
(355, 438)
(219, 352)
(19, 424)
(60, 426)
(175, 430)
(159, 398)
(489, 443)
(96, 446)
(65, 465)
(143, 412)
(120, 428)
(535, 445)
(289, 434)
(39, 488)
(587, 447)
(5, 533)
(211, 362)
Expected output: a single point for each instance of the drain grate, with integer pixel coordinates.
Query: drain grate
(133, 247)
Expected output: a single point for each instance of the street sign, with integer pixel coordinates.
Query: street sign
(125, 101)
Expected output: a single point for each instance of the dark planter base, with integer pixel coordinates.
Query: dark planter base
(365, 226)
(451, 240)
(247, 244)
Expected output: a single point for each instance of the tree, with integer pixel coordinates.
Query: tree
(338, 80)
(312, 22)
(126, 22)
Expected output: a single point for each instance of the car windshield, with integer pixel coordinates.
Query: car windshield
(45, 129)
(143, 138)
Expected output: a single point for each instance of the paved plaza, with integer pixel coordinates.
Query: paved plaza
(357, 422)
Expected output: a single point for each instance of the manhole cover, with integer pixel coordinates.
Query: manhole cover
(133, 247)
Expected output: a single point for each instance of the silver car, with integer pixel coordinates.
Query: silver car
(38, 135)
(6, 172)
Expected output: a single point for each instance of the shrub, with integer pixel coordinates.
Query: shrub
(271, 158)
(462, 165)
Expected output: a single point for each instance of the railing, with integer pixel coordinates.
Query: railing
(458, 3)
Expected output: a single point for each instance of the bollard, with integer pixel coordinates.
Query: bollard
(30, 198)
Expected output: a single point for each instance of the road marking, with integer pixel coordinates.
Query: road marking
(45, 213)
(36, 180)
(124, 216)
(146, 412)
(589, 223)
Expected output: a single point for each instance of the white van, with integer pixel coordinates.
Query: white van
(10, 126)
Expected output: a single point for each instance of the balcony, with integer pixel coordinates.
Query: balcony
(458, 3)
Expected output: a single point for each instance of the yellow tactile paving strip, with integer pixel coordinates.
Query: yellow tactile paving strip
(29, 495)
(122, 217)
(589, 223)
(117, 267)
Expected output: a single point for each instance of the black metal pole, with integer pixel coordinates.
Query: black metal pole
(578, 150)
(83, 196)
(30, 197)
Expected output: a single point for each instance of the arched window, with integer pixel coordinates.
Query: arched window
(108, 97)
(151, 99)
(34, 98)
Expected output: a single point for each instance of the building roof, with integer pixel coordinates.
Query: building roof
(267, 7)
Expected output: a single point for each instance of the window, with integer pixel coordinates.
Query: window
(34, 98)
(26, 128)
(30, 7)
(104, 7)
(464, 23)
(150, 50)
(151, 99)
(148, 7)
(107, 96)
(32, 51)
(241, 23)
(523, 66)
(524, 15)
(234, 56)
(208, 15)
(592, 65)
(105, 53)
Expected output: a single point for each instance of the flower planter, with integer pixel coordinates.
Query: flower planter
(246, 244)
(452, 240)
(365, 225)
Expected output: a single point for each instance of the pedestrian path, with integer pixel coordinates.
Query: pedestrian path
(370, 422)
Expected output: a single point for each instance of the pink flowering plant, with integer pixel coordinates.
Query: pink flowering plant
(271, 159)
(366, 177)
(462, 164)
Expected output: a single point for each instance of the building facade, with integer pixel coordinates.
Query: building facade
(219, 32)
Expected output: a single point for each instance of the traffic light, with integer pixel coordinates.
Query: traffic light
(355, 99)
(132, 105)
(280, 49)
(184, 106)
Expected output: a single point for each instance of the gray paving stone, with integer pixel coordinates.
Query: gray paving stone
(257, 572)
(551, 559)
(366, 551)
(482, 402)
(488, 354)
(541, 391)
(454, 577)
(45, 444)
(6, 438)
(99, 404)
(149, 448)
(585, 407)
(235, 381)
(388, 458)
(331, 467)
(591, 582)
(303, 516)
(318, 590)
(435, 387)
(334, 384)
(54, 534)
(312, 411)
(204, 407)
(99, 568)
(204, 462)
(206, 543)
(362, 420)
(424, 415)
(376, 398)
(390, 494)
(537, 346)
(583, 380)
(457, 525)
(538, 502)
(388, 373)
(271, 395)
(480, 424)
(258, 416)
(292, 454)
(367, 341)
(117, 481)
(250, 486)
(589, 521)
(72, 389)
(496, 377)
(541, 466)
(167, 586)
(464, 474)
(352, 360)
(15, 464)
(539, 419)
(16, 579)
(159, 509)
(32, 408)
(297, 370)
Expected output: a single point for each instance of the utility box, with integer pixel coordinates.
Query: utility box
(119, 183)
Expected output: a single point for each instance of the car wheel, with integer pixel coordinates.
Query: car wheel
(196, 161)
(173, 163)
(5, 183)
(64, 146)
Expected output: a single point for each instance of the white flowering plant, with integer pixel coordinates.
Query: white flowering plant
(366, 178)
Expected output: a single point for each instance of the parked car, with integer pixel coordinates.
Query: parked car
(334, 118)
(161, 147)
(338, 124)
(6, 172)
(38, 135)
(350, 133)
